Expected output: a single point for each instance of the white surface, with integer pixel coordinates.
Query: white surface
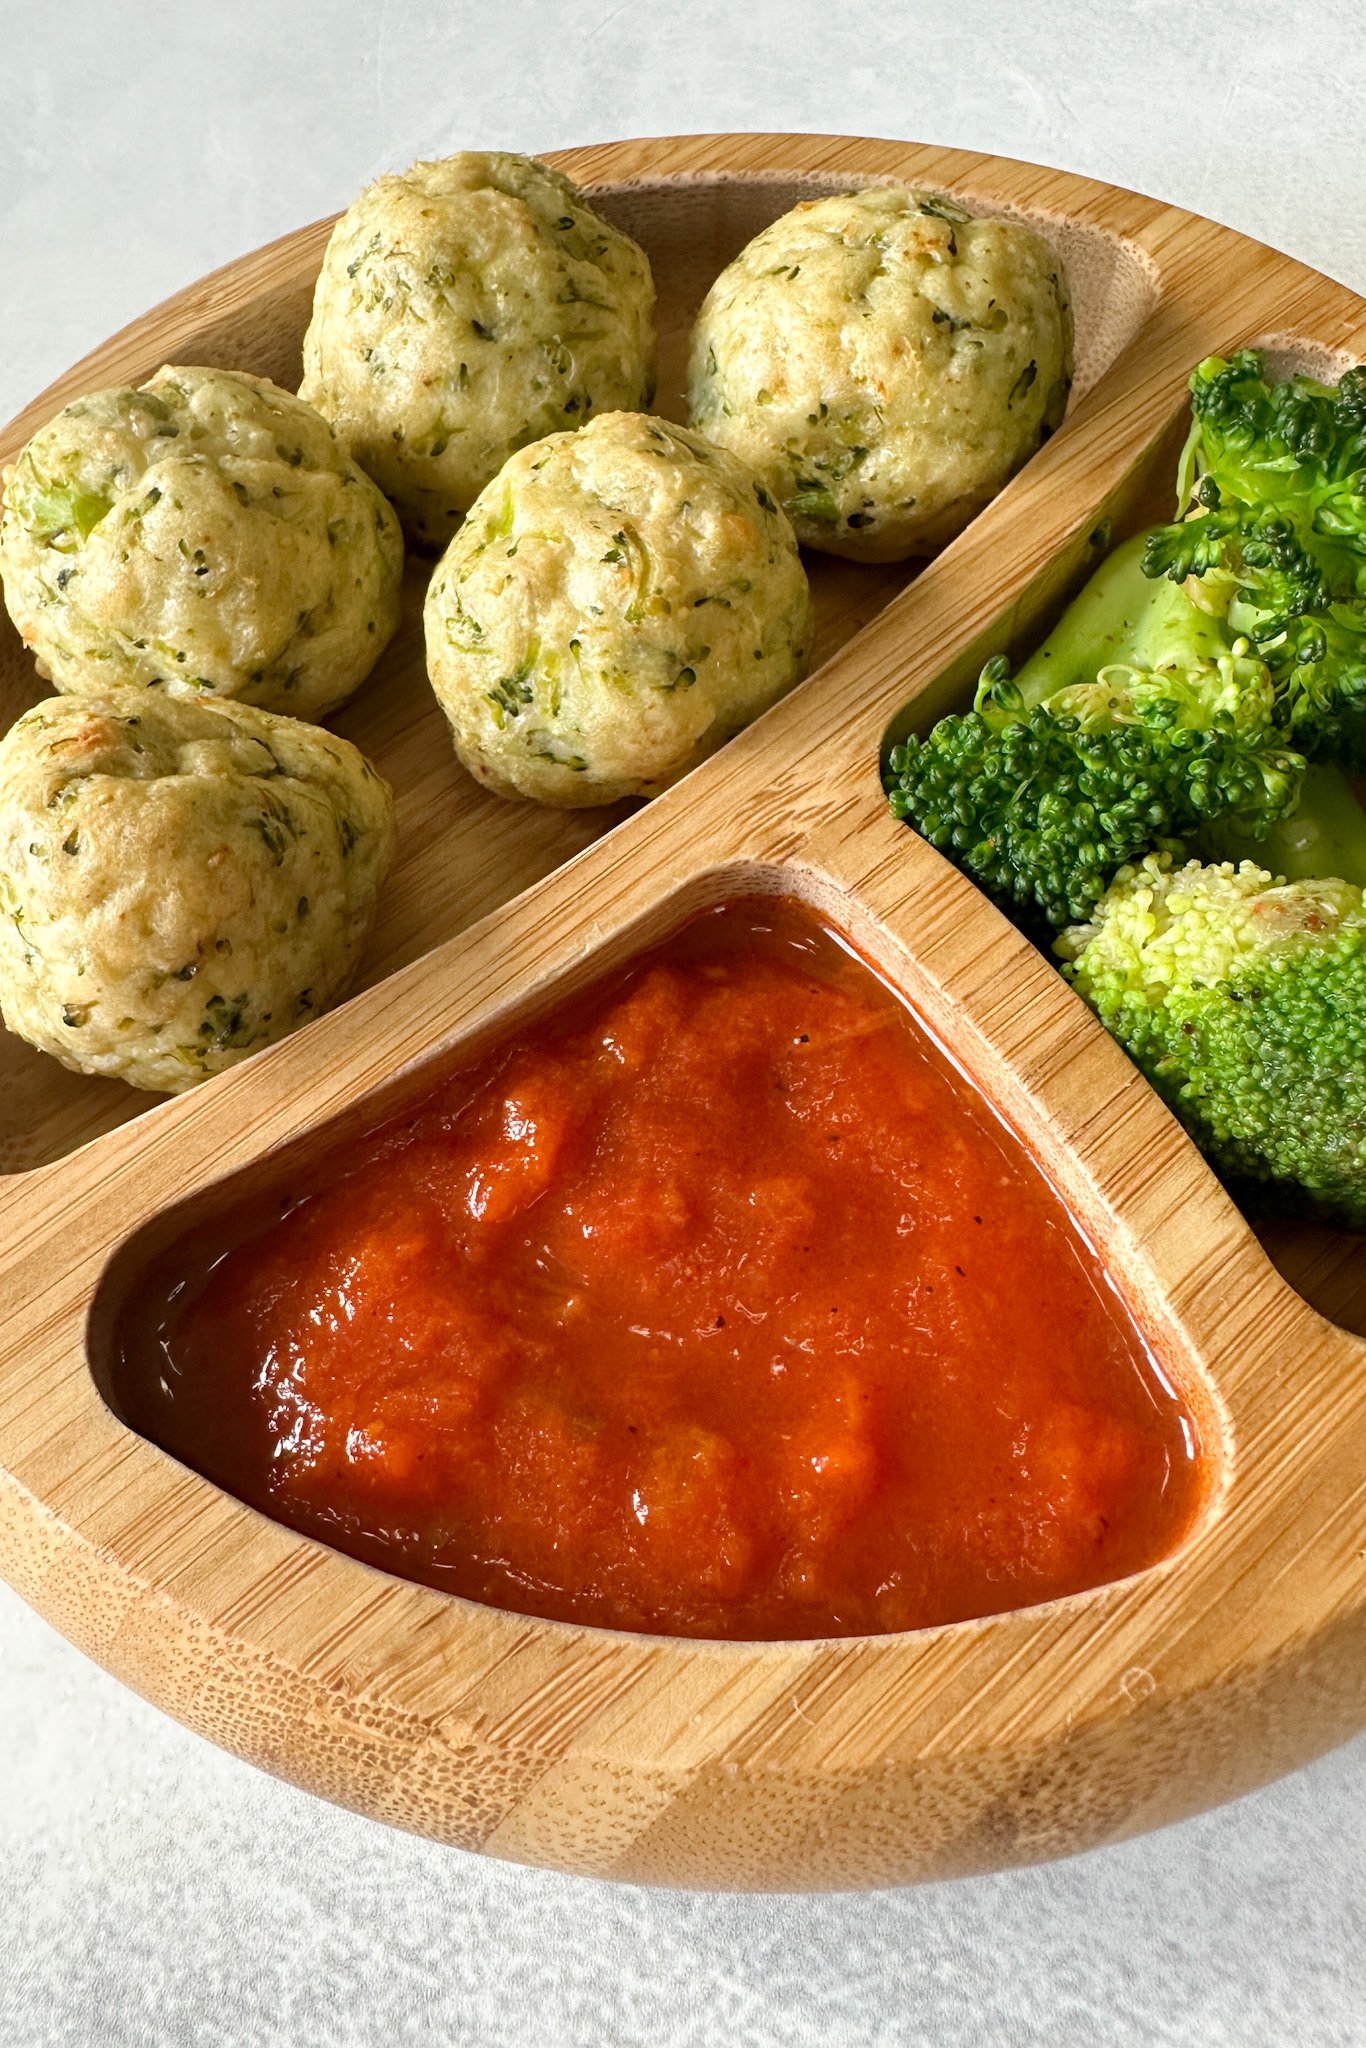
(154, 1891)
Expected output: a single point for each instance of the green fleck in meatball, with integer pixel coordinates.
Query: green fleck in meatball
(619, 601)
(466, 308)
(206, 529)
(885, 362)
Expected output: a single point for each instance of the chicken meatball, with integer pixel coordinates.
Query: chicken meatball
(885, 362)
(619, 601)
(465, 308)
(206, 528)
(182, 880)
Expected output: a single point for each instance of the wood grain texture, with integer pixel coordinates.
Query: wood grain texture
(773, 1765)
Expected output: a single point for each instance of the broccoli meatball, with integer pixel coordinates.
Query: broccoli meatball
(182, 880)
(618, 603)
(466, 308)
(884, 362)
(206, 528)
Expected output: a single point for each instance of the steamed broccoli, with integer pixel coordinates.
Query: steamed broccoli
(1171, 713)
(1272, 536)
(1138, 720)
(1243, 1000)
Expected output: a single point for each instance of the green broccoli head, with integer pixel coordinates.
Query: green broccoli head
(1272, 536)
(1243, 1000)
(1138, 721)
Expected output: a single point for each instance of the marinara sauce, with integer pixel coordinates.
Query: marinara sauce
(719, 1305)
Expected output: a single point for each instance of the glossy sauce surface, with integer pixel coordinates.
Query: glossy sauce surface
(719, 1304)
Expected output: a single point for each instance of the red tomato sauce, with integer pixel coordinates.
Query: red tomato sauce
(719, 1305)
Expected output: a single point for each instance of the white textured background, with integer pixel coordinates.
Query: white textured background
(153, 1891)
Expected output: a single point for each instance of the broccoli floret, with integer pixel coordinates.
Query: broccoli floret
(1137, 721)
(1243, 1000)
(1325, 834)
(1272, 536)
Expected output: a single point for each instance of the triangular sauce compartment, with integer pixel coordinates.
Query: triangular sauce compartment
(463, 852)
(715, 1301)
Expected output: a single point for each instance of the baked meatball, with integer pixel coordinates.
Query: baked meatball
(206, 528)
(465, 308)
(885, 362)
(619, 601)
(182, 880)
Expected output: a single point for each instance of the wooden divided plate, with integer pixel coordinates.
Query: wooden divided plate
(862, 1761)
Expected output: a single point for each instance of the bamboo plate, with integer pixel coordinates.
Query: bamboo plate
(845, 1763)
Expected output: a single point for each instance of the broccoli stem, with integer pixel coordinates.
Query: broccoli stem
(1122, 617)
